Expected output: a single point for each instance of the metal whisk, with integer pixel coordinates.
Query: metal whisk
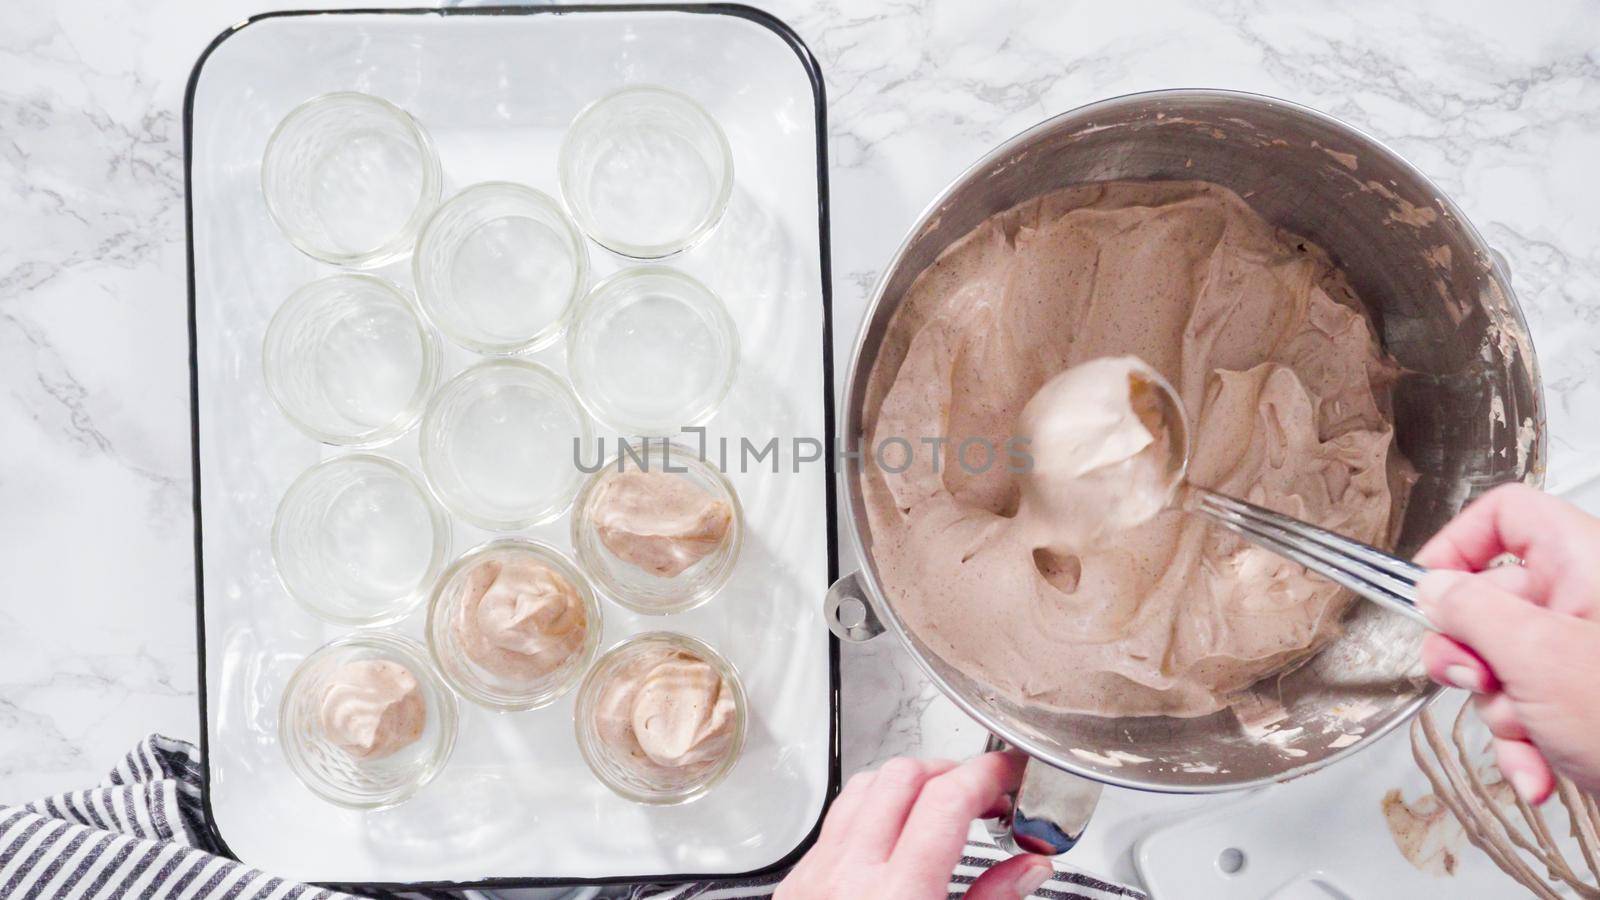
(1521, 843)
(1366, 570)
(1370, 572)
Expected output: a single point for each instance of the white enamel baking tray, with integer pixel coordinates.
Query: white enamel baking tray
(516, 806)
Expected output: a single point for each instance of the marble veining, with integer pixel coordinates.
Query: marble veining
(1498, 103)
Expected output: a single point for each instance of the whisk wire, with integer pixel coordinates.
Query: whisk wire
(1378, 576)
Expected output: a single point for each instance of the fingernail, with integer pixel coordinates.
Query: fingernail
(1032, 880)
(1464, 677)
(1524, 784)
(1433, 586)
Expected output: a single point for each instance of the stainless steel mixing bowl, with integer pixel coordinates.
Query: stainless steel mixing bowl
(1469, 408)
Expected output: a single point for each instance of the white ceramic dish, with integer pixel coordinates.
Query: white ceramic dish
(516, 805)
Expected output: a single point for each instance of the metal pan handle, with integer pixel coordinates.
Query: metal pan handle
(1050, 809)
(849, 613)
(1049, 812)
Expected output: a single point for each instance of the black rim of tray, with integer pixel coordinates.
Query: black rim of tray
(814, 74)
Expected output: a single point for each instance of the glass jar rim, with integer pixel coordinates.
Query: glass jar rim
(437, 620)
(428, 195)
(623, 595)
(569, 192)
(441, 541)
(429, 454)
(569, 231)
(428, 342)
(606, 293)
(587, 697)
(421, 667)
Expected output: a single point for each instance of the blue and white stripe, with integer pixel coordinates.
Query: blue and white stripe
(141, 835)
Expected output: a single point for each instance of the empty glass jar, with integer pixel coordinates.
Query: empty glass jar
(348, 362)
(498, 267)
(349, 179)
(652, 350)
(500, 442)
(357, 540)
(646, 171)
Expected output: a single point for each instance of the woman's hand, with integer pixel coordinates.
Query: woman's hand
(898, 832)
(1524, 639)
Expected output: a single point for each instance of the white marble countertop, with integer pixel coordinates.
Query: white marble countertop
(1498, 103)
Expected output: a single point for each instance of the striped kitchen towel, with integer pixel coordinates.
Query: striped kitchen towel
(138, 835)
(981, 853)
(141, 834)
